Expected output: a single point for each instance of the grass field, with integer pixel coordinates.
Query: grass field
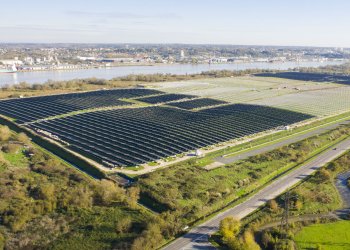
(331, 236)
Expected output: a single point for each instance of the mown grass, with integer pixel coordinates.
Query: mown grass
(330, 236)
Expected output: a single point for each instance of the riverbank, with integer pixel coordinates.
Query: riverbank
(178, 69)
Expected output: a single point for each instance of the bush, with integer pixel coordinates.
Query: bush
(229, 227)
(22, 137)
(273, 205)
(323, 175)
(5, 133)
(2, 242)
(123, 225)
(150, 239)
(11, 148)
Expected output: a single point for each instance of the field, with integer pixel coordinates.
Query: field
(331, 236)
(131, 127)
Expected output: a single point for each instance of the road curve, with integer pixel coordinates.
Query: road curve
(197, 237)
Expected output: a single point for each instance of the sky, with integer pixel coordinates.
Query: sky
(244, 22)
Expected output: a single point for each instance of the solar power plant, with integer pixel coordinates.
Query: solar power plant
(165, 98)
(315, 77)
(35, 108)
(197, 103)
(129, 137)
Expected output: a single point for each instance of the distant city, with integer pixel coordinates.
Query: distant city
(42, 57)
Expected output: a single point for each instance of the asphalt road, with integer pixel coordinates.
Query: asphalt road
(197, 237)
(241, 156)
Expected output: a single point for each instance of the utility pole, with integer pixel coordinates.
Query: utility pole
(285, 216)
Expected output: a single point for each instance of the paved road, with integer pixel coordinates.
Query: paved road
(227, 160)
(197, 237)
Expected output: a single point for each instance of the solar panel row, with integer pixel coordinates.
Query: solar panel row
(165, 98)
(197, 103)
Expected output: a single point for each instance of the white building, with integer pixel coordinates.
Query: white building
(11, 62)
(182, 54)
(29, 60)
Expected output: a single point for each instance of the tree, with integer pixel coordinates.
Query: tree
(249, 242)
(123, 225)
(5, 133)
(229, 227)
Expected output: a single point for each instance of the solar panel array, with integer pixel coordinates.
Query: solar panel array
(306, 76)
(197, 103)
(128, 137)
(165, 98)
(35, 108)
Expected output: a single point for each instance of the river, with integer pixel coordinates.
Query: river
(108, 73)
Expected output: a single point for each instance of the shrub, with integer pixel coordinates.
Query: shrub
(229, 227)
(5, 133)
(123, 225)
(22, 137)
(11, 148)
(273, 205)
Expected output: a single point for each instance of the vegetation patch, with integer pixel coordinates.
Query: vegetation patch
(330, 236)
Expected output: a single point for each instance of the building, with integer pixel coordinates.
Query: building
(29, 60)
(182, 54)
(11, 62)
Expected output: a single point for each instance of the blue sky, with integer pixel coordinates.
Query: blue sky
(248, 22)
